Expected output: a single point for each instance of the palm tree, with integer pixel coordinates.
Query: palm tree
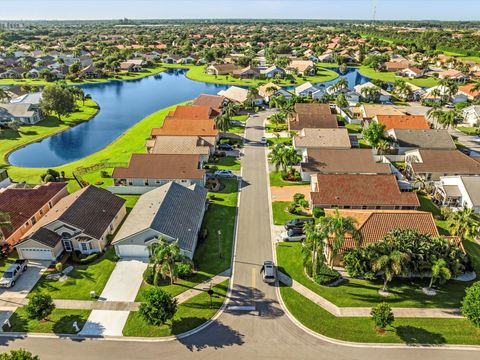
(222, 122)
(421, 182)
(313, 246)
(440, 270)
(230, 109)
(390, 264)
(337, 226)
(435, 113)
(277, 157)
(291, 157)
(464, 222)
(5, 222)
(164, 255)
(277, 119)
(4, 95)
(448, 119)
(476, 86)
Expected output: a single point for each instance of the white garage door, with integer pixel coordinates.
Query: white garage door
(37, 254)
(140, 251)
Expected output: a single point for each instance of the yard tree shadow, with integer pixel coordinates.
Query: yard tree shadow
(19, 324)
(413, 335)
(65, 324)
(216, 336)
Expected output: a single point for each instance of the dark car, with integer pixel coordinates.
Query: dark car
(298, 223)
(225, 146)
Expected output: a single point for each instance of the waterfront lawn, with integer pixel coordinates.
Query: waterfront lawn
(60, 321)
(213, 255)
(82, 280)
(391, 77)
(277, 180)
(433, 331)
(190, 314)
(364, 293)
(280, 214)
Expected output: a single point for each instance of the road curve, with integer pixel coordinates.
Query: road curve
(264, 333)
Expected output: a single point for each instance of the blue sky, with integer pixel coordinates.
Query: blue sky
(294, 9)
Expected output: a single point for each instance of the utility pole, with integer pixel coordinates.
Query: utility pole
(219, 233)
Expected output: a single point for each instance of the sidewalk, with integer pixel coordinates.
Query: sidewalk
(362, 311)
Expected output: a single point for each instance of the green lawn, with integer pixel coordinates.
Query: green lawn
(82, 280)
(277, 180)
(280, 215)
(361, 293)
(189, 315)
(242, 118)
(469, 130)
(353, 128)
(236, 129)
(391, 77)
(213, 255)
(435, 331)
(271, 128)
(226, 163)
(6, 262)
(280, 140)
(363, 144)
(132, 141)
(59, 322)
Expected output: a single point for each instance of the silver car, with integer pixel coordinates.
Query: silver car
(269, 272)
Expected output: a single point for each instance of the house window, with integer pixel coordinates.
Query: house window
(146, 182)
(50, 204)
(41, 211)
(84, 246)
(33, 220)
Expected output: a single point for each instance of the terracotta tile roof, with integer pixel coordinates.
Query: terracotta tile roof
(446, 162)
(468, 90)
(22, 204)
(360, 190)
(373, 225)
(192, 112)
(343, 161)
(186, 127)
(213, 101)
(161, 166)
(403, 121)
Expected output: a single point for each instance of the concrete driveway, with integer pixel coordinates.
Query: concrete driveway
(26, 282)
(122, 285)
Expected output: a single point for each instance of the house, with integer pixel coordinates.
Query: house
(186, 127)
(267, 91)
(248, 72)
(369, 111)
(89, 71)
(381, 95)
(458, 192)
(134, 65)
(4, 179)
(341, 161)
(312, 115)
(172, 212)
(432, 164)
(373, 225)
(221, 69)
(438, 93)
(272, 72)
(410, 139)
(187, 145)
(20, 113)
(309, 138)
(471, 94)
(415, 94)
(310, 90)
(213, 101)
(192, 112)
(302, 67)
(360, 191)
(239, 95)
(410, 72)
(148, 171)
(25, 206)
(397, 65)
(453, 74)
(471, 115)
(402, 121)
(79, 222)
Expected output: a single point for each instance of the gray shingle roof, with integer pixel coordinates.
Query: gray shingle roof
(45, 237)
(424, 139)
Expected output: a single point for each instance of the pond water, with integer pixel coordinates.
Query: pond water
(122, 105)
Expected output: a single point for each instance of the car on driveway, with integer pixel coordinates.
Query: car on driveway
(224, 173)
(263, 140)
(298, 223)
(269, 272)
(294, 234)
(13, 273)
(225, 147)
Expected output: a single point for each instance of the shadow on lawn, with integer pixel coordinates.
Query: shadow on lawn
(414, 335)
(65, 324)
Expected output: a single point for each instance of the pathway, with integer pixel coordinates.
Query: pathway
(285, 193)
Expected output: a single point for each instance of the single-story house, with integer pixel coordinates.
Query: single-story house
(471, 94)
(132, 65)
(308, 138)
(402, 121)
(172, 212)
(272, 72)
(204, 146)
(369, 111)
(312, 115)
(453, 74)
(471, 115)
(215, 102)
(458, 192)
(440, 92)
(20, 113)
(410, 139)
(193, 112)
(267, 91)
(383, 96)
(248, 72)
(302, 67)
(79, 222)
(221, 69)
(239, 95)
(186, 127)
(360, 191)
(410, 72)
(310, 90)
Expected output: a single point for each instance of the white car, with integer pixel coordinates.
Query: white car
(292, 235)
(263, 140)
(269, 272)
(224, 173)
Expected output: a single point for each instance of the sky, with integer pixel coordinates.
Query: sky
(222, 9)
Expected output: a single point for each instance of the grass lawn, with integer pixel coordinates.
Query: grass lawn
(280, 215)
(132, 141)
(6, 262)
(391, 77)
(271, 128)
(469, 130)
(277, 180)
(189, 315)
(242, 118)
(82, 280)
(59, 322)
(404, 330)
(211, 257)
(236, 129)
(280, 140)
(353, 128)
(363, 144)
(226, 163)
(363, 293)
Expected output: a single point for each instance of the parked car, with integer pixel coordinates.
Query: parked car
(224, 173)
(225, 146)
(269, 272)
(294, 234)
(13, 272)
(298, 223)
(263, 140)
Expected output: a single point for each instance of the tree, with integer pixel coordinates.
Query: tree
(291, 157)
(164, 256)
(440, 271)
(277, 157)
(382, 316)
(390, 264)
(476, 86)
(40, 306)
(448, 119)
(464, 222)
(222, 122)
(4, 95)
(5, 223)
(230, 109)
(313, 247)
(159, 306)
(374, 133)
(277, 119)
(471, 304)
(19, 354)
(341, 101)
(58, 100)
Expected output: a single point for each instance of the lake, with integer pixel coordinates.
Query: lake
(122, 105)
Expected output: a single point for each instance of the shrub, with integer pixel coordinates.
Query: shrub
(298, 197)
(292, 208)
(40, 306)
(149, 275)
(104, 174)
(99, 182)
(59, 266)
(382, 315)
(471, 304)
(325, 275)
(84, 259)
(158, 307)
(318, 212)
(48, 178)
(19, 354)
(184, 269)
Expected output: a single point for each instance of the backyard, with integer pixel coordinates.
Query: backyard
(391, 77)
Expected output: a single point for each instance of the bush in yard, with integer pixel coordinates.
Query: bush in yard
(158, 308)
(40, 306)
(382, 316)
(149, 275)
(104, 174)
(471, 304)
(318, 212)
(59, 267)
(184, 269)
(20, 354)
